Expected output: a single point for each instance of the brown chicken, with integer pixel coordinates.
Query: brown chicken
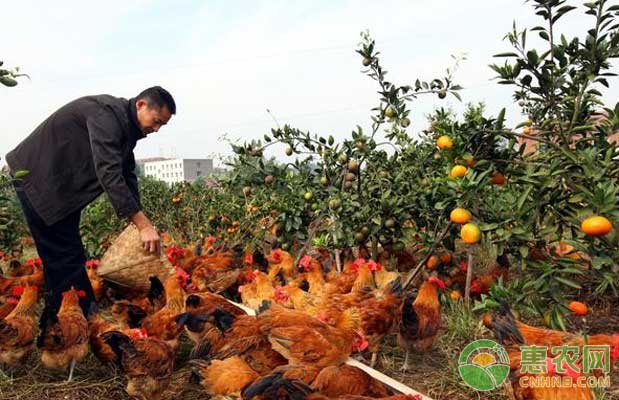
(15, 268)
(311, 271)
(420, 319)
(64, 339)
(217, 271)
(234, 335)
(276, 386)
(34, 279)
(257, 291)
(198, 306)
(98, 326)
(510, 331)
(281, 263)
(95, 280)
(17, 330)
(147, 362)
(343, 380)
(8, 306)
(379, 314)
(135, 310)
(226, 377)
(304, 340)
(162, 324)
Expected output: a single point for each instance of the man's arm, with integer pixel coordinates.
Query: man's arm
(106, 144)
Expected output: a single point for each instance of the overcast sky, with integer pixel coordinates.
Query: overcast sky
(226, 62)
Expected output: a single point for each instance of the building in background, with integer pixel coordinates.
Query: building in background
(173, 170)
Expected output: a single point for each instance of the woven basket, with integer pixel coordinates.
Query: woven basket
(128, 264)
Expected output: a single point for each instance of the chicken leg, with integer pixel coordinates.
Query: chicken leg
(405, 364)
(71, 368)
(374, 359)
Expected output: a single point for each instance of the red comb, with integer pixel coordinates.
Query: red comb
(357, 264)
(81, 294)
(12, 300)
(374, 266)
(17, 291)
(276, 255)
(305, 263)
(249, 259)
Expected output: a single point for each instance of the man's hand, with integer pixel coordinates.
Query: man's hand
(150, 238)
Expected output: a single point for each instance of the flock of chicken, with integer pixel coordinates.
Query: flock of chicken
(310, 319)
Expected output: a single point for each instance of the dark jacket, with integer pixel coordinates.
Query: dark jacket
(81, 150)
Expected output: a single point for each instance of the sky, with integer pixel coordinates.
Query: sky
(227, 62)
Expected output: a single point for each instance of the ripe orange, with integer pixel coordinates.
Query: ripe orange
(497, 178)
(445, 142)
(596, 226)
(458, 171)
(470, 233)
(432, 262)
(445, 258)
(578, 308)
(460, 216)
(455, 295)
(487, 320)
(527, 130)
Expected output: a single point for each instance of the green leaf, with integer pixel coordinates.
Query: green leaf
(505, 55)
(568, 282)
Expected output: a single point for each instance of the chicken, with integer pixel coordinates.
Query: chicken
(281, 263)
(95, 280)
(509, 331)
(482, 284)
(257, 291)
(8, 306)
(98, 326)
(15, 268)
(304, 340)
(420, 319)
(342, 380)
(223, 377)
(64, 339)
(132, 312)
(34, 279)
(217, 270)
(379, 313)
(198, 307)
(234, 335)
(147, 362)
(311, 271)
(17, 330)
(162, 324)
(276, 386)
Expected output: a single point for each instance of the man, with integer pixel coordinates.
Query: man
(83, 149)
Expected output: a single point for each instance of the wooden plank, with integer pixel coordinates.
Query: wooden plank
(392, 383)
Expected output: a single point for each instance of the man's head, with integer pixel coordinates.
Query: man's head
(155, 106)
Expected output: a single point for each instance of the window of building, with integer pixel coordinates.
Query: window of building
(198, 173)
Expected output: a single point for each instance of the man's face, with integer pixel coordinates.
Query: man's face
(151, 119)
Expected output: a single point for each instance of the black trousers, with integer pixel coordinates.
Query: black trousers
(60, 247)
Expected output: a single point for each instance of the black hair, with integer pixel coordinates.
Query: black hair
(159, 97)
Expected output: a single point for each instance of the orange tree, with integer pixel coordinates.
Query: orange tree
(572, 174)
(12, 225)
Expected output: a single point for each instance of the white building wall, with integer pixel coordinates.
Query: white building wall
(178, 170)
